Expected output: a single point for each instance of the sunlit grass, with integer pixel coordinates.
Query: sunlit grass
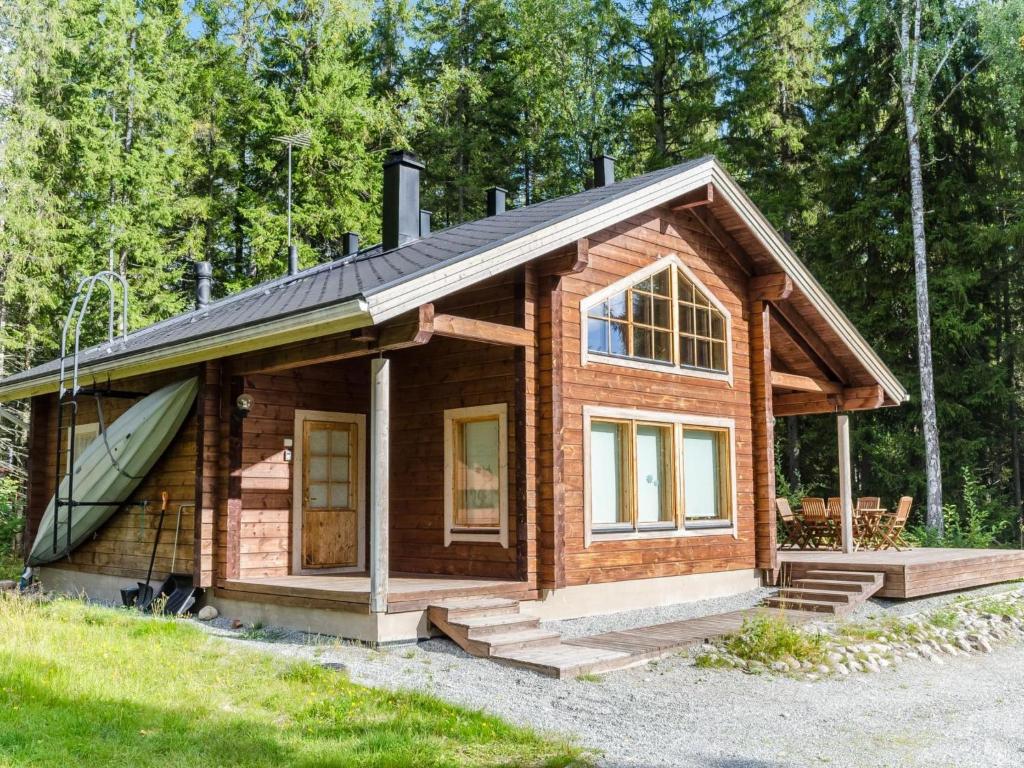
(88, 686)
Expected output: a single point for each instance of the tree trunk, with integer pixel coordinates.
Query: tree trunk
(908, 86)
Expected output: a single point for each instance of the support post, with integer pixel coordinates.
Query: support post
(380, 418)
(845, 480)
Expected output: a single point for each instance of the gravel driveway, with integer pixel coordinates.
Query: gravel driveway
(967, 712)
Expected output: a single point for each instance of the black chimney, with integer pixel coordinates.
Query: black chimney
(350, 244)
(401, 199)
(204, 274)
(425, 222)
(496, 201)
(293, 259)
(604, 170)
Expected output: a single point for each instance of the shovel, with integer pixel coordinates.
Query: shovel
(145, 599)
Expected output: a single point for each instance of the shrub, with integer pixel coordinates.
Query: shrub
(977, 526)
(767, 639)
(12, 520)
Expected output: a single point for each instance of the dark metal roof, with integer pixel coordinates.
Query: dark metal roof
(368, 273)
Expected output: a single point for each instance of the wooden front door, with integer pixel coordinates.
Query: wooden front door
(331, 503)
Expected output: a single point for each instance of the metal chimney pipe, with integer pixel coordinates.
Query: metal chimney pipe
(293, 260)
(604, 170)
(496, 200)
(350, 244)
(204, 277)
(425, 222)
(401, 220)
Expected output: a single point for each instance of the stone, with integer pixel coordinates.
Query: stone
(792, 663)
(934, 659)
(207, 613)
(780, 666)
(913, 655)
(870, 666)
(236, 624)
(842, 669)
(947, 648)
(856, 666)
(835, 658)
(7, 585)
(823, 669)
(981, 643)
(963, 645)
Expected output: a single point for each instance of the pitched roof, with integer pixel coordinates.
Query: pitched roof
(376, 285)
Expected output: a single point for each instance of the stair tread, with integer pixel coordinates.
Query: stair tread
(826, 583)
(850, 576)
(561, 655)
(470, 603)
(805, 593)
(519, 636)
(795, 601)
(479, 622)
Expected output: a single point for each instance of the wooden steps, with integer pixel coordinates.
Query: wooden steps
(827, 591)
(494, 628)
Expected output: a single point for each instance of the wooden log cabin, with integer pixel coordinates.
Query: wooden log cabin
(571, 403)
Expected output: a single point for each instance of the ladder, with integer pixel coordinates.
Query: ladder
(70, 389)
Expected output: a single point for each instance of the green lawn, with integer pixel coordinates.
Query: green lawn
(88, 686)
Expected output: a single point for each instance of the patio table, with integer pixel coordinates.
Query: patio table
(866, 525)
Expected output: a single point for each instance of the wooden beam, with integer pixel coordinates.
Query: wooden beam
(850, 399)
(782, 380)
(698, 197)
(775, 286)
(456, 327)
(410, 330)
(717, 231)
(800, 332)
(380, 432)
(845, 481)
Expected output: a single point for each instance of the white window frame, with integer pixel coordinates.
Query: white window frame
(679, 422)
(665, 262)
(92, 429)
(451, 533)
(297, 479)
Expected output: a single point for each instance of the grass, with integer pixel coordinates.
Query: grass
(768, 639)
(945, 618)
(88, 686)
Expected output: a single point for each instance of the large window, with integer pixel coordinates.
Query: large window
(476, 469)
(664, 318)
(646, 475)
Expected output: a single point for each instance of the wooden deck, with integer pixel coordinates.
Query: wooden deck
(915, 572)
(351, 592)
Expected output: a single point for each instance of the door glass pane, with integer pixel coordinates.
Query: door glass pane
(701, 474)
(339, 496)
(607, 492)
(653, 474)
(339, 469)
(318, 469)
(477, 474)
(340, 439)
(318, 442)
(317, 496)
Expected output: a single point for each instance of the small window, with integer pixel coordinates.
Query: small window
(476, 469)
(648, 475)
(664, 318)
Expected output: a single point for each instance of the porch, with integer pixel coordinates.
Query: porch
(351, 592)
(914, 572)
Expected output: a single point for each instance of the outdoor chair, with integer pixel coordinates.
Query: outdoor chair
(869, 502)
(791, 525)
(890, 529)
(819, 526)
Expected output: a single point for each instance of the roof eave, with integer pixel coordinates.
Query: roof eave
(344, 316)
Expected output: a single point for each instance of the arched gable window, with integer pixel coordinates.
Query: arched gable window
(661, 315)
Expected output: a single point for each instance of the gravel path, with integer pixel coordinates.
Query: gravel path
(964, 713)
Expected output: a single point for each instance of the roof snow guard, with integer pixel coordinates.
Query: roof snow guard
(378, 284)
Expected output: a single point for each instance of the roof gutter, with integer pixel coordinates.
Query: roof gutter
(299, 327)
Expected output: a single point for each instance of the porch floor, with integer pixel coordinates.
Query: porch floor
(351, 591)
(915, 572)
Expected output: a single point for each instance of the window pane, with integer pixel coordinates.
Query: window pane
(617, 306)
(659, 283)
(340, 441)
(653, 474)
(601, 310)
(662, 313)
(685, 289)
(617, 341)
(641, 343)
(641, 308)
(607, 494)
(701, 326)
(718, 356)
(339, 496)
(703, 354)
(686, 319)
(339, 469)
(317, 496)
(700, 299)
(702, 475)
(644, 285)
(717, 325)
(686, 353)
(597, 335)
(477, 474)
(663, 346)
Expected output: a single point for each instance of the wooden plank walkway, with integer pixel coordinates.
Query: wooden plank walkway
(656, 641)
